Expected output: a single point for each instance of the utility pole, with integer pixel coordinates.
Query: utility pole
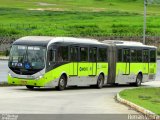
(144, 26)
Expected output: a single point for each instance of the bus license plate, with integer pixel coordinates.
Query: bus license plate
(24, 82)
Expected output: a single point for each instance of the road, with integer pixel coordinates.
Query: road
(73, 100)
(70, 101)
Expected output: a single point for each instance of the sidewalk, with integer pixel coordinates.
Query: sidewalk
(152, 83)
(4, 57)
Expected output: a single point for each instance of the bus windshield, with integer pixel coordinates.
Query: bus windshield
(27, 57)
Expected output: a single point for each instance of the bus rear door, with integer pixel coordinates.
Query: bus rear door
(126, 57)
(93, 61)
(146, 61)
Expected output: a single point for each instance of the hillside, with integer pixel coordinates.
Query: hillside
(77, 18)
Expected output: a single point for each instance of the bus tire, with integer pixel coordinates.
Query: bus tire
(100, 81)
(138, 80)
(62, 83)
(115, 84)
(29, 87)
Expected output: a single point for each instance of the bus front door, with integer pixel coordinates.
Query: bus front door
(126, 57)
(74, 59)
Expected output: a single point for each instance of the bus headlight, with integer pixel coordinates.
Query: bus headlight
(39, 77)
(9, 75)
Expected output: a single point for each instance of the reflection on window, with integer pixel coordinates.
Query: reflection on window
(52, 55)
(93, 54)
(145, 56)
(83, 54)
(139, 55)
(74, 54)
(32, 55)
(62, 55)
(119, 51)
(152, 56)
(133, 56)
(18, 53)
(36, 57)
(126, 55)
(102, 55)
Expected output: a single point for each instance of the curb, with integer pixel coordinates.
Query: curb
(3, 84)
(144, 111)
(4, 58)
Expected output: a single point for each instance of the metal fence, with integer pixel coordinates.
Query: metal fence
(6, 41)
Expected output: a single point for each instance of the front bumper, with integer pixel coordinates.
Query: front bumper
(21, 81)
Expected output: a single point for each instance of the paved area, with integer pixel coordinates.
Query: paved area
(81, 100)
(73, 100)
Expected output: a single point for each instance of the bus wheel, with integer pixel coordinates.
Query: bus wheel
(62, 83)
(138, 80)
(29, 87)
(100, 81)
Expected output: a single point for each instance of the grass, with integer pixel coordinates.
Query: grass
(148, 98)
(77, 18)
(4, 53)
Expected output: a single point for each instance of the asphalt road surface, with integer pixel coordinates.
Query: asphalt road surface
(81, 100)
(72, 100)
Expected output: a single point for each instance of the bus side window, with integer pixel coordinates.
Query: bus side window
(102, 55)
(126, 55)
(139, 55)
(62, 54)
(145, 56)
(52, 55)
(119, 51)
(83, 54)
(73, 54)
(133, 55)
(93, 54)
(152, 56)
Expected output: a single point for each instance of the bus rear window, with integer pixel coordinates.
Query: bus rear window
(133, 56)
(102, 55)
(83, 54)
(152, 56)
(119, 56)
(145, 56)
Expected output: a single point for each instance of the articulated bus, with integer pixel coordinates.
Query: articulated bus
(131, 62)
(38, 61)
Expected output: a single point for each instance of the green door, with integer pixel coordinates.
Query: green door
(83, 64)
(152, 64)
(74, 59)
(92, 61)
(126, 59)
(145, 61)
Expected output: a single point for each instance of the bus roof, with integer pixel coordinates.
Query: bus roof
(46, 40)
(127, 43)
(33, 40)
